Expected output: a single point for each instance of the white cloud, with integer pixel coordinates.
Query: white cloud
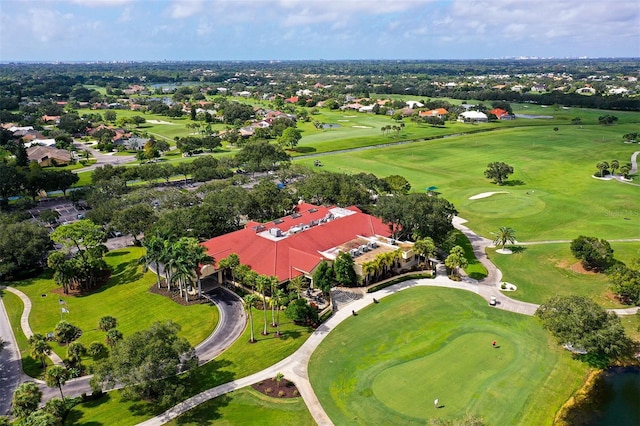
(181, 9)
(100, 3)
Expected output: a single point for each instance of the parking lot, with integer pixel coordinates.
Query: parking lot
(68, 212)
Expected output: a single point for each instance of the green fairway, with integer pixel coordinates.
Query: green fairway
(388, 364)
(126, 297)
(550, 196)
(544, 270)
(247, 406)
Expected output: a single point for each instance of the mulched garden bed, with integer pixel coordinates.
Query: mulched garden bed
(284, 389)
(174, 295)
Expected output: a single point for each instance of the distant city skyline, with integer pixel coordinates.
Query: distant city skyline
(210, 30)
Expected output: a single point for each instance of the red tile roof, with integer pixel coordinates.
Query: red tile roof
(498, 112)
(286, 257)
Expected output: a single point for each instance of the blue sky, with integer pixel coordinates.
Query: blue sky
(79, 30)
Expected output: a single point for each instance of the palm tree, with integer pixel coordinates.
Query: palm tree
(230, 262)
(367, 269)
(295, 285)
(166, 257)
(249, 302)
(262, 284)
(279, 297)
(153, 247)
(40, 348)
(56, 376)
(456, 260)
(602, 166)
(197, 255)
(615, 165)
(278, 378)
(505, 235)
(625, 171)
(273, 281)
(183, 274)
(427, 248)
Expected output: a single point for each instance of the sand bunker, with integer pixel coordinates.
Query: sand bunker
(362, 127)
(486, 194)
(160, 122)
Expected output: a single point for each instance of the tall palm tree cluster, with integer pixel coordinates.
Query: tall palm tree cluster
(380, 265)
(178, 260)
(259, 286)
(396, 129)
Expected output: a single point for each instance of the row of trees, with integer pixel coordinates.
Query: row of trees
(31, 180)
(605, 168)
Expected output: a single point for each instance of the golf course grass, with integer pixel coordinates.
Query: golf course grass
(247, 406)
(240, 360)
(542, 271)
(126, 297)
(551, 195)
(389, 364)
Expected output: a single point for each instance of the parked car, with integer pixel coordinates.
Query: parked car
(493, 301)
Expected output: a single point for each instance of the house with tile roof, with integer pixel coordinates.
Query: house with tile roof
(438, 112)
(48, 156)
(294, 245)
(501, 114)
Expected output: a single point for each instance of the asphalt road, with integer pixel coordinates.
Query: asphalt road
(10, 365)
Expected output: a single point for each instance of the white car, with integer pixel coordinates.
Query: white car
(493, 301)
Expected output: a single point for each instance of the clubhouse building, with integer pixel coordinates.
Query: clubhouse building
(296, 244)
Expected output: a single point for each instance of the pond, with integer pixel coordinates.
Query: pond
(330, 126)
(614, 400)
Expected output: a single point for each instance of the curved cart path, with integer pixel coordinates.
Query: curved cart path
(230, 326)
(233, 321)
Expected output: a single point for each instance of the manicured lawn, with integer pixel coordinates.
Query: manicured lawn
(388, 364)
(550, 196)
(474, 269)
(14, 307)
(126, 297)
(247, 406)
(240, 360)
(545, 270)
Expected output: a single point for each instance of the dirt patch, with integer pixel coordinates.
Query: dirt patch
(174, 295)
(284, 389)
(579, 269)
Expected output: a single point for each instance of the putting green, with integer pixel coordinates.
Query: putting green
(389, 364)
(394, 386)
(511, 205)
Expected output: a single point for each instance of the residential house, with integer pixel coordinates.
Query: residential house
(41, 142)
(473, 117)
(48, 156)
(501, 114)
(50, 119)
(414, 104)
(586, 90)
(438, 112)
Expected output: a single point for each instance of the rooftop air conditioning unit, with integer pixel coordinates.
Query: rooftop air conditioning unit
(276, 232)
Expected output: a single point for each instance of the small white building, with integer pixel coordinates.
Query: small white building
(473, 117)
